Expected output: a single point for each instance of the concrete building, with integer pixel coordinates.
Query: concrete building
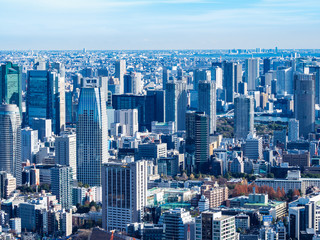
(253, 147)
(124, 194)
(297, 158)
(29, 144)
(178, 224)
(215, 194)
(129, 118)
(293, 133)
(252, 73)
(214, 225)
(66, 151)
(7, 185)
(61, 185)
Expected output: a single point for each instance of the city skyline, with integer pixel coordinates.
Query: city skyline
(160, 24)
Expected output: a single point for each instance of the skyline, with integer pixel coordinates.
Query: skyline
(160, 24)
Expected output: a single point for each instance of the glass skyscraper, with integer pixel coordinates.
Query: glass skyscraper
(46, 98)
(10, 84)
(92, 132)
(10, 140)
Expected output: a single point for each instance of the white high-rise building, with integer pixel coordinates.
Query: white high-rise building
(293, 134)
(252, 73)
(285, 81)
(29, 144)
(66, 151)
(10, 140)
(120, 70)
(214, 225)
(216, 75)
(129, 118)
(124, 194)
(92, 132)
(207, 102)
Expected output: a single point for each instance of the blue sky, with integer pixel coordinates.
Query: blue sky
(159, 24)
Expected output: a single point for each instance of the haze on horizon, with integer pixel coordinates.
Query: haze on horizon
(158, 24)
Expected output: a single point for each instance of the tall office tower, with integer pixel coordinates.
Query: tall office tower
(228, 80)
(177, 224)
(151, 107)
(43, 126)
(293, 133)
(46, 98)
(316, 70)
(132, 83)
(207, 102)
(252, 73)
(237, 76)
(285, 81)
(176, 104)
(124, 194)
(243, 116)
(197, 139)
(128, 117)
(216, 75)
(61, 185)
(10, 84)
(253, 147)
(304, 106)
(66, 151)
(214, 225)
(76, 81)
(92, 132)
(165, 77)
(10, 140)
(120, 70)
(29, 144)
(200, 75)
(266, 65)
(179, 73)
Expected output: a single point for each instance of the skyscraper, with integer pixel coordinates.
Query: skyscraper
(10, 140)
(229, 80)
(120, 70)
(216, 75)
(165, 77)
(61, 185)
(92, 132)
(293, 133)
(237, 76)
(10, 84)
(243, 116)
(177, 223)
(200, 75)
(29, 144)
(124, 194)
(176, 104)
(304, 103)
(66, 151)
(197, 139)
(132, 83)
(252, 72)
(207, 102)
(46, 98)
(316, 70)
(266, 65)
